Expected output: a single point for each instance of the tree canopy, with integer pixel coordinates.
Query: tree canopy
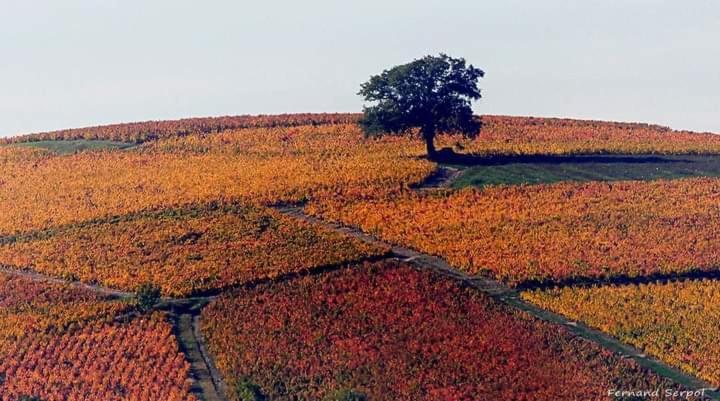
(433, 94)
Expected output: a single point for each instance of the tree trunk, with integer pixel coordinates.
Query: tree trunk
(428, 135)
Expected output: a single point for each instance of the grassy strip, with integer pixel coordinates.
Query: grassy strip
(511, 297)
(69, 147)
(588, 168)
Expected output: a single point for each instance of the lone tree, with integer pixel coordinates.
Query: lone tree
(432, 94)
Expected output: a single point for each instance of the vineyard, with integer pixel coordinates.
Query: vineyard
(393, 333)
(29, 308)
(152, 130)
(526, 234)
(188, 251)
(677, 321)
(116, 361)
(59, 342)
(290, 257)
(502, 134)
(263, 166)
(543, 136)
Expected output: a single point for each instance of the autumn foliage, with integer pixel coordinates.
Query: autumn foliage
(152, 130)
(500, 134)
(186, 251)
(677, 322)
(540, 233)
(9, 154)
(61, 342)
(285, 162)
(29, 307)
(265, 166)
(537, 136)
(138, 360)
(187, 211)
(394, 333)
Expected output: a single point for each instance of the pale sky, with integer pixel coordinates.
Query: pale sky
(75, 63)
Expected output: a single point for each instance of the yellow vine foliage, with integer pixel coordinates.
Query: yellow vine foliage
(144, 131)
(265, 165)
(500, 135)
(10, 154)
(29, 307)
(537, 136)
(281, 164)
(185, 252)
(678, 322)
(523, 234)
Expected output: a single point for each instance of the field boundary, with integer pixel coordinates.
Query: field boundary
(46, 278)
(511, 298)
(621, 280)
(184, 315)
(441, 178)
(207, 382)
(208, 385)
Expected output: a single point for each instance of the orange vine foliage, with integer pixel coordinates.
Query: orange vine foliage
(677, 322)
(60, 342)
(9, 154)
(152, 130)
(265, 165)
(553, 232)
(135, 361)
(528, 135)
(500, 134)
(284, 163)
(29, 308)
(186, 252)
(394, 333)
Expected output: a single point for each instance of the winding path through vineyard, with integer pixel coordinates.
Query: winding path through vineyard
(184, 314)
(499, 291)
(208, 384)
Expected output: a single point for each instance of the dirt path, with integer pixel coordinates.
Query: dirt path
(207, 382)
(511, 298)
(50, 279)
(184, 313)
(443, 177)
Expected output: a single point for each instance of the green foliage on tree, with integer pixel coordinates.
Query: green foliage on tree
(433, 94)
(246, 390)
(146, 297)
